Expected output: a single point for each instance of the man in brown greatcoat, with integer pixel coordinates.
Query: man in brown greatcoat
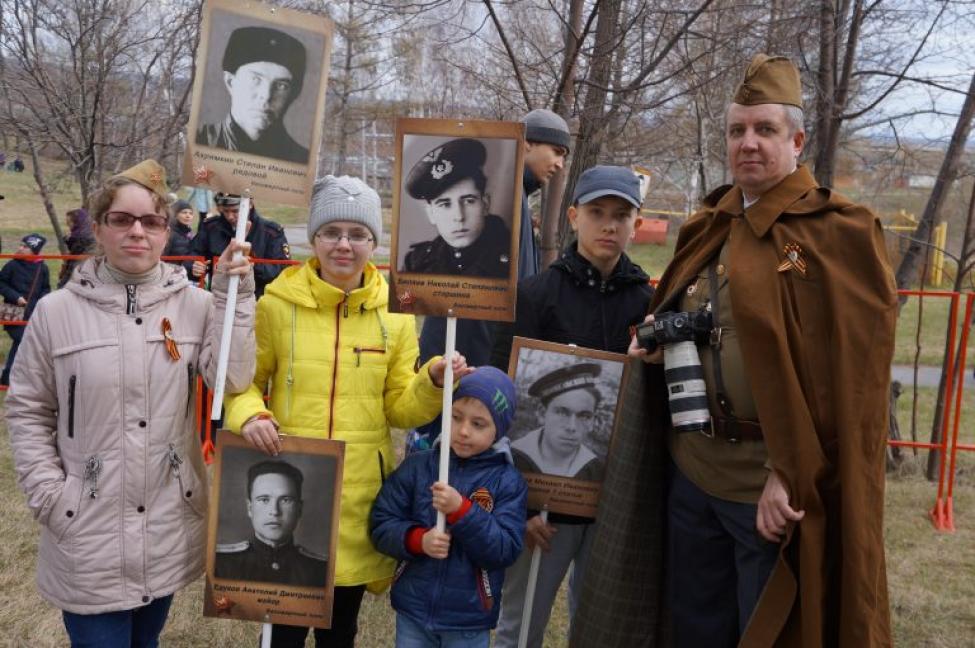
(796, 379)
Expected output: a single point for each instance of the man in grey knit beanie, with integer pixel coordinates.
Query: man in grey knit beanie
(346, 199)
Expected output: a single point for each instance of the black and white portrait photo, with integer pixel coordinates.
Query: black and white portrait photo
(457, 205)
(566, 412)
(261, 91)
(274, 518)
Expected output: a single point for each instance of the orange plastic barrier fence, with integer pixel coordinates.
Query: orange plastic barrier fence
(944, 519)
(942, 513)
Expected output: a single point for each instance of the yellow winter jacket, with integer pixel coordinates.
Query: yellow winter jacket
(303, 325)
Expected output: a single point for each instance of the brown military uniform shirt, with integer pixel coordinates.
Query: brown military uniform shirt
(730, 471)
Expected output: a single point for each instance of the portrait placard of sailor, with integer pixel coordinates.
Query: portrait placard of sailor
(457, 206)
(258, 97)
(273, 526)
(568, 398)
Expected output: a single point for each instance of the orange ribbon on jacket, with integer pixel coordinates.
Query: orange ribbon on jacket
(167, 331)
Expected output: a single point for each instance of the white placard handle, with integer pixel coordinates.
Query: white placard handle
(526, 614)
(228, 317)
(445, 416)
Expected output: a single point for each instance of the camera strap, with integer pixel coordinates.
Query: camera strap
(715, 342)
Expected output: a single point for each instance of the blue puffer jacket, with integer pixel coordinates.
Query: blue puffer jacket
(462, 592)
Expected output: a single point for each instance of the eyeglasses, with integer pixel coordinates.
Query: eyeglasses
(153, 223)
(333, 236)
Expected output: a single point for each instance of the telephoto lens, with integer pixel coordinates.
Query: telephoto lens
(685, 388)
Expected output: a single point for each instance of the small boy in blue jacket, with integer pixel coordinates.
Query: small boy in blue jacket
(447, 589)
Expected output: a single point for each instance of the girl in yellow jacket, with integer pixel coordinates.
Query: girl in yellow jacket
(339, 366)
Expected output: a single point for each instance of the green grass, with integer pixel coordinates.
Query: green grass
(653, 258)
(929, 574)
(933, 330)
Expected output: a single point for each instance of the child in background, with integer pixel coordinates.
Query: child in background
(455, 603)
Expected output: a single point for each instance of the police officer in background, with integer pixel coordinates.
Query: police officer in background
(266, 237)
(274, 506)
(263, 71)
(471, 240)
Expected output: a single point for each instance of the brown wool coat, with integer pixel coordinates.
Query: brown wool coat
(817, 350)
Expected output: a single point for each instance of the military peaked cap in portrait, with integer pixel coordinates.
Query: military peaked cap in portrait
(565, 379)
(445, 166)
(770, 80)
(150, 175)
(263, 44)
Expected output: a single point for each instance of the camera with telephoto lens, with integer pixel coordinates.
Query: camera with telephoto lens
(679, 334)
(671, 328)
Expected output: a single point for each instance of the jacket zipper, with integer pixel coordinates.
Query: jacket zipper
(130, 305)
(360, 350)
(190, 386)
(382, 469)
(174, 463)
(335, 362)
(92, 468)
(602, 312)
(72, 383)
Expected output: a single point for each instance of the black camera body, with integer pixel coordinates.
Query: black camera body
(671, 328)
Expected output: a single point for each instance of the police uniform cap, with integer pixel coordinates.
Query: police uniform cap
(226, 200)
(263, 44)
(565, 379)
(445, 166)
(770, 80)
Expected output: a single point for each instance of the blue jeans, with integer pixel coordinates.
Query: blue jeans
(410, 634)
(124, 629)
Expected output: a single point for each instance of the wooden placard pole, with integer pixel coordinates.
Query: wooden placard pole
(526, 614)
(243, 216)
(448, 404)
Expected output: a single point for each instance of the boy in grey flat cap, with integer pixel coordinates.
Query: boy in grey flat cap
(471, 240)
(263, 71)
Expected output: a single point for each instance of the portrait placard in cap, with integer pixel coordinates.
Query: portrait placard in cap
(258, 102)
(272, 531)
(456, 218)
(568, 401)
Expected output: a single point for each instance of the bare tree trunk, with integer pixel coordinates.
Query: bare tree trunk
(345, 84)
(908, 269)
(52, 213)
(825, 96)
(591, 122)
(552, 196)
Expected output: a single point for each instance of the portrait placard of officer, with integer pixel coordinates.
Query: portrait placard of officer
(456, 215)
(258, 101)
(272, 532)
(567, 404)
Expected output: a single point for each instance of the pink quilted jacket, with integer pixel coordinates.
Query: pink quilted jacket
(101, 416)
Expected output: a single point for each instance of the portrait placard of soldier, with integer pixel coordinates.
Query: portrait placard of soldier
(568, 398)
(272, 531)
(258, 101)
(456, 214)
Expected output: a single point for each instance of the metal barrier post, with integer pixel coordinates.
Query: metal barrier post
(955, 447)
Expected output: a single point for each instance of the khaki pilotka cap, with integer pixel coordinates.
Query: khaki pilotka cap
(151, 175)
(770, 80)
